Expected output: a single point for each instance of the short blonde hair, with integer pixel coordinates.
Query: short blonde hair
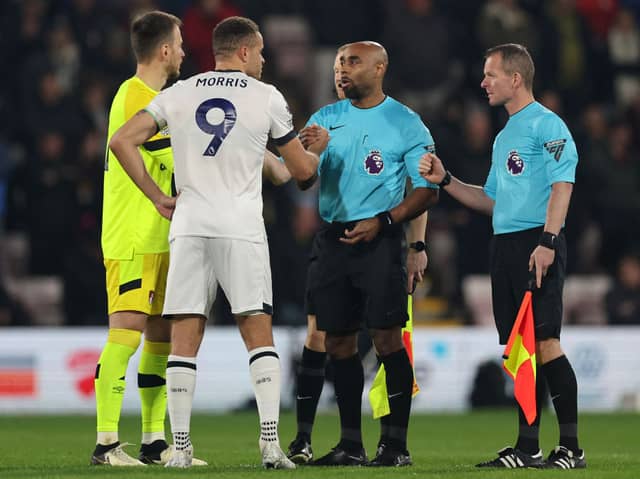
(515, 58)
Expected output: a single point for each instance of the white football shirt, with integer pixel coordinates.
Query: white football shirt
(220, 122)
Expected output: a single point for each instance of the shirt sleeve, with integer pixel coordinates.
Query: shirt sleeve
(490, 185)
(281, 129)
(419, 142)
(317, 118)
(158, 108)
(558, 150)
(137, 99)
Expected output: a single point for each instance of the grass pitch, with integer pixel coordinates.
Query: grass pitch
(442, 446)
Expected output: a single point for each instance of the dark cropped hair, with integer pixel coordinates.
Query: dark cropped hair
(515, 58)
(149, 31)
(231, 32)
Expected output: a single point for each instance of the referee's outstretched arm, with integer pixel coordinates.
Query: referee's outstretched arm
(472, 196)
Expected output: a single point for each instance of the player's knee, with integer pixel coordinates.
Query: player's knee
(158, 329)
(548, 350)
(341, 347)
(315, 340)
(387, 341)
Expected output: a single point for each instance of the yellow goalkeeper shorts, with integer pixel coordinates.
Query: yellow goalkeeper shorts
(138, 284)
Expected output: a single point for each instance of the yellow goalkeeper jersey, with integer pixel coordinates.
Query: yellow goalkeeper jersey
(130, 223)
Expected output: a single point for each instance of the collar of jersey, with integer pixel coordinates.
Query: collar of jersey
(371, 107)
(524, 108)
(227, 71)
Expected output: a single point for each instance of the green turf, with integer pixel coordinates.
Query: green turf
(442, 446)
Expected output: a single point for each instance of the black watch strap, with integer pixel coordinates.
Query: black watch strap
(385, 219)
(418, 246)
(548, 240)
(446, 180)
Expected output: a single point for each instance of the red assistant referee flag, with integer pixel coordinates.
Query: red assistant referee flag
(520, 359)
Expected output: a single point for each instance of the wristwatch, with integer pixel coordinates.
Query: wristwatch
(418, 246)
(446, 180)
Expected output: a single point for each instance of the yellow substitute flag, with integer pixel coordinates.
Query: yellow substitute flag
(378, 392)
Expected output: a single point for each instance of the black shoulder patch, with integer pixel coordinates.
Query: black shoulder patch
(555, 148)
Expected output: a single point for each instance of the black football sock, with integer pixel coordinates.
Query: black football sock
(563, 388)
(310, 382)
(399, 375)
(385, 429)
(349, 384)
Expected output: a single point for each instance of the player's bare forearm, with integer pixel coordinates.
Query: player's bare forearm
(414, 204)
(417, 228)
(416, 260)
(472, 196)
(302, 164)
(542, 257)
(432, 169)
(274, 170)
(558, 206)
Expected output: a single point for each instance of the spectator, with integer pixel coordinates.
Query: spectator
(624, 50)
(44, 205)
(12, 312)
(90, 23)
(504, 21)
(623, 300)
(199, 20)
(94, 109)
(49, 106)
(619, 193)
(567, 51)
(600, 15)
(421, 77)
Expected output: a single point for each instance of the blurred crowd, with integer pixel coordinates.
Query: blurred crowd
(64, 59)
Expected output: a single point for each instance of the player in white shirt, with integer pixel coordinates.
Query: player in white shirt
(220, 122)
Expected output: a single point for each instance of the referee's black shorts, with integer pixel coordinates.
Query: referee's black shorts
(351, 285)
(510, 275)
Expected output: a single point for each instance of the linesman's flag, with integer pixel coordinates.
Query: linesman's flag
(520, 359)
(378, 392)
